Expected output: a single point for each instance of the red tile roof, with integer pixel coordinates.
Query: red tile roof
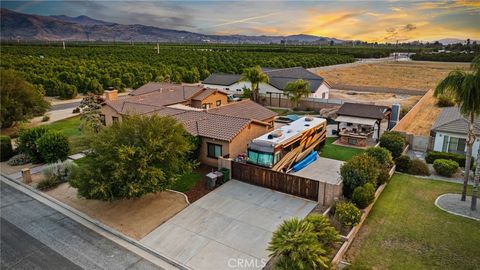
(244, 109)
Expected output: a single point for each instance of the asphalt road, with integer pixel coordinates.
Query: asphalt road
(35, 236)
(64, 106)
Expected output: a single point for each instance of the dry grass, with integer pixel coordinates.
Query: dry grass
(387, 99)
(415, 75)
(135, 218)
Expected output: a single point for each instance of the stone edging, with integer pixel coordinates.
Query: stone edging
(450, 212)
(97, 224)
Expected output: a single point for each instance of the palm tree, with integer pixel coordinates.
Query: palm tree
(295, 245)
(465, 88)
(296, 90)
(255, 76)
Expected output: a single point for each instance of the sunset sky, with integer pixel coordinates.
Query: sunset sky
(381, 21)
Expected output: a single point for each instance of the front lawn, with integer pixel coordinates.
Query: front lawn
(405, 230)
(70, 127)
(186, 182)
(338, 152)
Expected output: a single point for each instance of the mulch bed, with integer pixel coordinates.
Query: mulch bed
(200, 189)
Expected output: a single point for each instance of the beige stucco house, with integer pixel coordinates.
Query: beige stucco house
(224, 128)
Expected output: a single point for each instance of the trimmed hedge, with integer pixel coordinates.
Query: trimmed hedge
(358, 171)
(418, 167)
(445, 167)
(347, 214)
(53, 146)
(382, 155)
(434, 155)
(27, 142)
(364, 195)
(6, 150)
(403, 163)
(394, 141)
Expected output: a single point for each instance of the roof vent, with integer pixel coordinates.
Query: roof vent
(308, 118)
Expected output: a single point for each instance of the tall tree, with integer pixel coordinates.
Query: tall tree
(465, 88)
(90, 116)
(20, 100)
(296, 90)
(140, 155)
(255, 76)
(476, 71)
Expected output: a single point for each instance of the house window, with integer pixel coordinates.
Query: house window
(102, 119)
(206, 105)
(114, 119)
(453, 145)
(214, 150)
(323, 95)
(218, 103)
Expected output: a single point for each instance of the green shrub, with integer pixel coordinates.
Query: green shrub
(381, 155)
(434, 155)
(347, 214)
(403, 163)
(364, 195)
(383, 176)
(55, 174)
(358, 171)
(445, 167)
(53, 146)
(445, 101)
(27, 142)
(394, 141)
(68, 91)
(45, 118)
(327, 236)
(418, 167)
(6, 150)
(20, 159)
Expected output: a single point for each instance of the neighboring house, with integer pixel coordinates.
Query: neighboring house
(450, 132)
(278, 80)
(168, 94)
(224, 131)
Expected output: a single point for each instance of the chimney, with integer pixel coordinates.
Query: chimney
(111, 94)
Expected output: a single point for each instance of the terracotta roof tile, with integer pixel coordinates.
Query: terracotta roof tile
(244, 109)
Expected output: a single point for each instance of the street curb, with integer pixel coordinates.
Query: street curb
(96, 224)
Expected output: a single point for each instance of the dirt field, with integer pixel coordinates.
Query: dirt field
(135, 218)
(413, 75)
(424, 119)
(406, 101)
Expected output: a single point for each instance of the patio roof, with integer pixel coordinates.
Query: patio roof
(356, 120)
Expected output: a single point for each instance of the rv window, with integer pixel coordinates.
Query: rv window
(260, 158)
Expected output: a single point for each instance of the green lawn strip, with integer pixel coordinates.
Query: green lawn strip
(186, 182)
(405, 230)
(338, 152)
(69, 127)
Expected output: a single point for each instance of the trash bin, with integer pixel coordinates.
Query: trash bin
(220, 179)
(226, 174)
(211, 180)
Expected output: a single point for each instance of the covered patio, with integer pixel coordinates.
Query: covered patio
(360, 125)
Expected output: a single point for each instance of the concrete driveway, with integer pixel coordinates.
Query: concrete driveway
(229, 228)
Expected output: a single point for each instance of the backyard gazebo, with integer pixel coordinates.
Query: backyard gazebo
(357, 124)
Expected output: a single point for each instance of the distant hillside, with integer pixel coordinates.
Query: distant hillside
(15, 25)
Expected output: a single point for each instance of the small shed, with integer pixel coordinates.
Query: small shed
(357, 123)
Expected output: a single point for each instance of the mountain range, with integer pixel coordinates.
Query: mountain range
(21, 26)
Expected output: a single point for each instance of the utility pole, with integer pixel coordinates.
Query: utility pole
(63, 42)
(158, 48)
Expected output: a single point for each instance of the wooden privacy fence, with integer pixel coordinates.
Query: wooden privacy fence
(286, 183)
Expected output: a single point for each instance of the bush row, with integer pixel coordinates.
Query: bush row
(434, 155)
(411, 166)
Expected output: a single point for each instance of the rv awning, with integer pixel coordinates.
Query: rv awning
(356, 120)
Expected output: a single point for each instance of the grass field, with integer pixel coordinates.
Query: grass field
(405, 230)
(186, 182)
(415, 75)
(69, 127)
(338, 152)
